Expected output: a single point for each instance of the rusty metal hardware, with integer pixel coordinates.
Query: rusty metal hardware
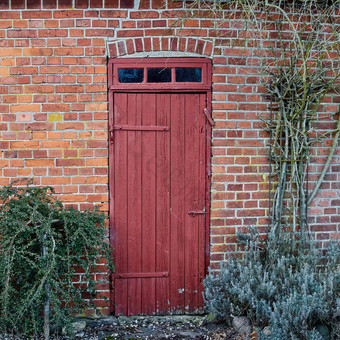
(208, 115)
(111, 136)
(197, 212)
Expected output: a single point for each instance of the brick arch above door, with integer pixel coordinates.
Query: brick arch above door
(186, 46)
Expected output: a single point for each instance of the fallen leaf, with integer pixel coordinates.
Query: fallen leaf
(253, 335)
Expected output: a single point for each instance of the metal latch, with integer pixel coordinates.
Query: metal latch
(208, 115)
(196, 212)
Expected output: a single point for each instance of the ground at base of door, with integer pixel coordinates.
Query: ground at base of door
(156, 327)
(144, 327)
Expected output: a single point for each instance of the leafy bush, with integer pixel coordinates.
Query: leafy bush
(42, 248)
(283, 282)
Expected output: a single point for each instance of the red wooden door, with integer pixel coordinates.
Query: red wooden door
(159, 201)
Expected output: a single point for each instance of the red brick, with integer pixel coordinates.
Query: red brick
(72, 126)
(69, 88)
(4, 4)
(25, 108)
(4, 163)
(39, 126)
(49, 4)
(4, 145)
(99, 32)
(39, 162)
(73, 198)
(68, 51)
(54, 69)
(21, 33)
(40, 154)
(95, 88)
(24, 145)
(251, 212)
(55, 107)
(249, 178)
(11, 14)
(33, 4)
(235, 187)
(70, 162)
(55, 144)
(67, 14)
(53, 180)
(113, 14)
(81, 3)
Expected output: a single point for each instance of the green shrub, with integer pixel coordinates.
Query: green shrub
(42, 248)
(282, 282)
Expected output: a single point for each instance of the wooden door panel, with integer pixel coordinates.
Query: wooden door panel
(162, 202)
(121, 206)
(177, 203)
(134, 203)
(187, 191)
(159, 178)
(194, 188)
(140, 249)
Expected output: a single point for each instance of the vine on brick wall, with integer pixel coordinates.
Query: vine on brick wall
(304, 71)
(297, 43)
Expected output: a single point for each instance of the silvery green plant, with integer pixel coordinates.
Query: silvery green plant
(284, 282)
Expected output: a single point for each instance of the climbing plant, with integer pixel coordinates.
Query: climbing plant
(295, 45)
(48, 259)
(303, 72)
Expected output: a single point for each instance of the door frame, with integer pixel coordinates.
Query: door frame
(205, 86)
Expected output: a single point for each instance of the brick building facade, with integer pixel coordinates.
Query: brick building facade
(54, 105)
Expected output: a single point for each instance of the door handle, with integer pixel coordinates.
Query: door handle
(196, 212)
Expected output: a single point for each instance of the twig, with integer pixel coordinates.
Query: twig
(328, 162)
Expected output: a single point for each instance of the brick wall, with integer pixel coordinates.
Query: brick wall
(54, 114)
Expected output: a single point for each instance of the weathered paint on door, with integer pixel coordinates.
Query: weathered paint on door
(159, 201)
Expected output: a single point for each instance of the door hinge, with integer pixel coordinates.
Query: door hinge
(112, 136)
(209, 117)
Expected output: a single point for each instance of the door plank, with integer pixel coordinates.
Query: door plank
(191, 198)
(163, 201)
(177, 203)
(134, 243)
(121, 203)
(202, 199)
(149, 203)
(134, 296)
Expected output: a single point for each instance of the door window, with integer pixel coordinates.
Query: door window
(182, 74)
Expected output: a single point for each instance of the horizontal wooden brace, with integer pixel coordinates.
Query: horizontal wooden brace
(141, 128)
(142, 275)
